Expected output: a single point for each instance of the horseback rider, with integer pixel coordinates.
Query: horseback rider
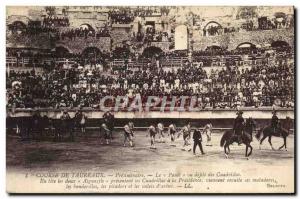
(238, 126)
(65, 122)
(36, 117)
(65, 115)
(106, 116)
(109, 120)
(274, 121)
(35, 124)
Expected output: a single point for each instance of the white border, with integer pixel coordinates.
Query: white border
(3, 4)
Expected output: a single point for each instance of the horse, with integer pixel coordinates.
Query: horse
(62, 126)
(250, 127)
(229, 137)
(56, 129)
(36, 126)
(109, 122)
(287, 124)
(281, 131)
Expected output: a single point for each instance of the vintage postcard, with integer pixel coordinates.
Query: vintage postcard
(150, 99)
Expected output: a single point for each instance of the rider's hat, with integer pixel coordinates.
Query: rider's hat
(239, 112)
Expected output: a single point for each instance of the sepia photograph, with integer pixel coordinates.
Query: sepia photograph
(150, 99)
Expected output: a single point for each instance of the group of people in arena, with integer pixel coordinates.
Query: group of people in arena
(66, 125)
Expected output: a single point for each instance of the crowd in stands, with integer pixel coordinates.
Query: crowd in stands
(32, 30)
(72, 34)
(213, 31)
(121, 16)
(52, 21)
(124, 15)
(152, 36)
(265, 24)
(261, 85)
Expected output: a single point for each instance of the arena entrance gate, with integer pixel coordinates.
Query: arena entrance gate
(17, 26)
(280, 46)
(152, 51)
(246, 47)
(212, 28)
(91, 55)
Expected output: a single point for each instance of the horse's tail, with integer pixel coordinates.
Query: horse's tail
(258, 134)
(223, 139)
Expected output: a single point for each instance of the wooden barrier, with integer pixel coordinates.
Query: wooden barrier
(255, 113)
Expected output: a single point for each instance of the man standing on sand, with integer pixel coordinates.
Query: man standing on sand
(197, 137)
(152, 133)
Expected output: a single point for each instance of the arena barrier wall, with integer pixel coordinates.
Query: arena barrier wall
(220, 118)
(209, 113)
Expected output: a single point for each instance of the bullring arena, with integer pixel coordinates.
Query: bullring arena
(66, 66)
(88, 152)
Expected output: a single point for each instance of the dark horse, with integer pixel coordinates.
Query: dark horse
(283, 130)
(229, 138)
(36, 126)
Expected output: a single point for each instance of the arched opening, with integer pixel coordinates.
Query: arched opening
(280, 19)
(246, 48)
(276, 44)
(121, 52)
(214, 49)
(280, 15)
(212, 28)
(280, 46)
(91, 55)
(17, 26)
(61, 52)
(152, 51)
(86, 27)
